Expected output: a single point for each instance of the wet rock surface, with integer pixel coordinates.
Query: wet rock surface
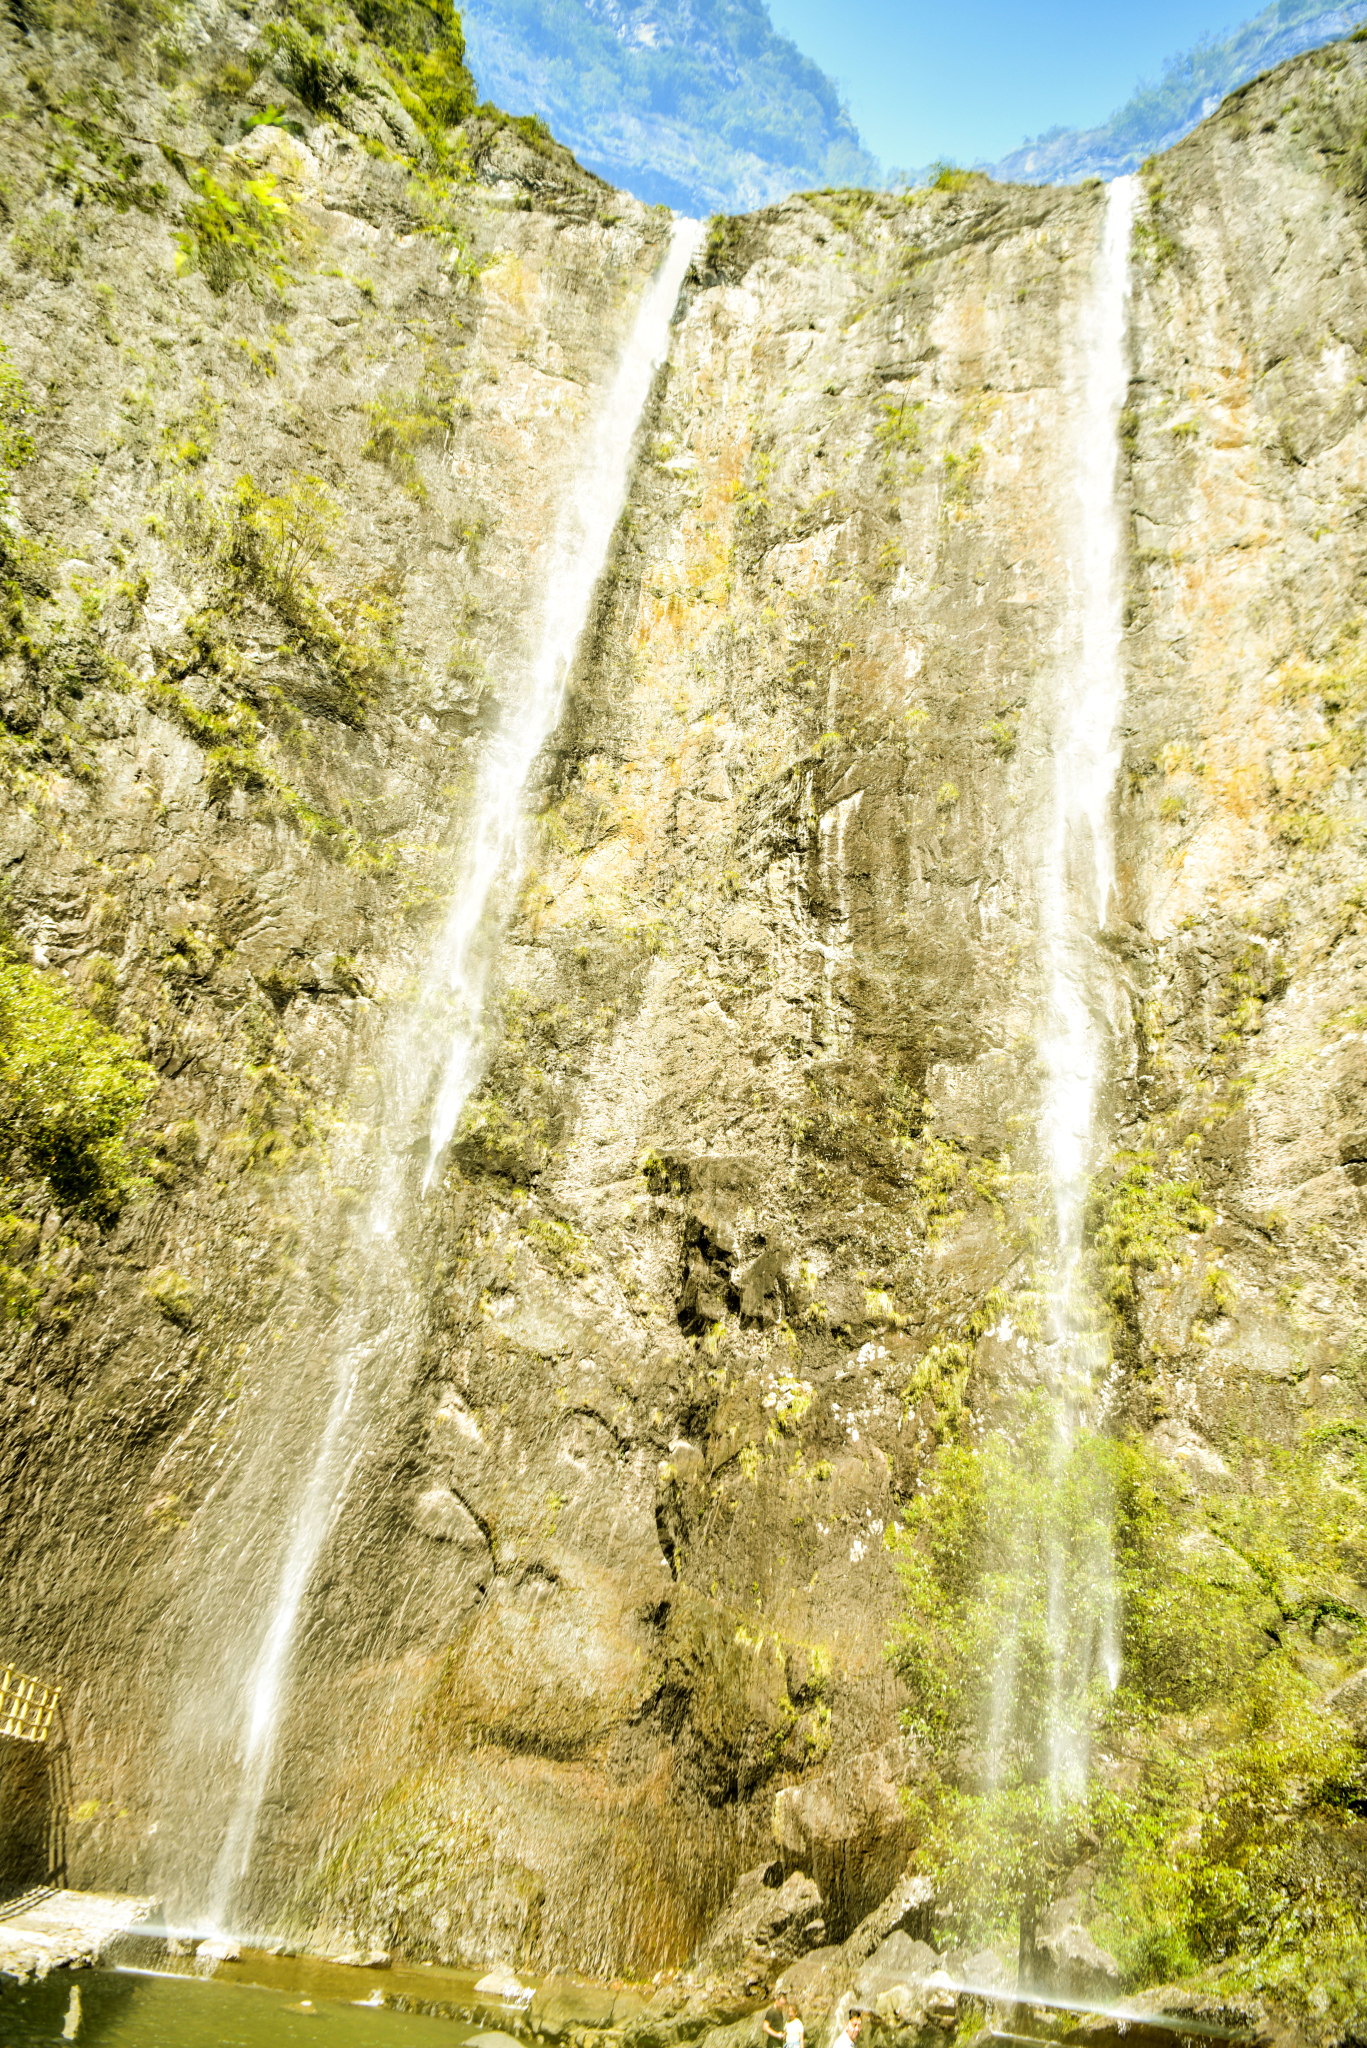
(730, 1236)
(47, 1930)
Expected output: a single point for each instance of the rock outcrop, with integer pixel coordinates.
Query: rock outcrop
(768, 1921)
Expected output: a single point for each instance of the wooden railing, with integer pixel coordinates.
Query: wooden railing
(27, 1706)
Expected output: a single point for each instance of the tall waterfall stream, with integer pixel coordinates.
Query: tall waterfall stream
(1074, 871)
(1076, 877)
(443, 1047)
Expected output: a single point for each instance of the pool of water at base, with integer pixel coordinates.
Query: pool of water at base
(132, 2009)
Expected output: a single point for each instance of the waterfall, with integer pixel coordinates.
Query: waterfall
(369, 1329)
(1058, 1631)
(578, 554)
(1076, 875)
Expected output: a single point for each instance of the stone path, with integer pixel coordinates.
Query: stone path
(52, 1930)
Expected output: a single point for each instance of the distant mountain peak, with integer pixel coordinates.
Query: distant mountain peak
(701, 104)
(1190, 89)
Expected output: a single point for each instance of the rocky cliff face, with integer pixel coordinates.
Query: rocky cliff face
(742, 1220)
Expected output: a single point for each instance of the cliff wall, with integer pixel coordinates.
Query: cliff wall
(742, 1220)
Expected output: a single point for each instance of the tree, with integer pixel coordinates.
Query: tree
(1009, 1651)
(1100, 1662)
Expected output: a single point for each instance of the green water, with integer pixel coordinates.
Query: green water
(117, 2009)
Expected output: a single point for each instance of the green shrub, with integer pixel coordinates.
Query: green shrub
(174, 1295)
(1140, 1218)
(49, 244)
(425, 50)
(16, 409)
(98, 164)
(950, 178)
(70, 1088)
(236, 232)
(1219, 1807)
(898, 433)
(310, 67)
(279, 539)
(402, 423)
(960, 471)
(232, 78)
(725, 241)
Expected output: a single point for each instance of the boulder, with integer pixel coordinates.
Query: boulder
(815, 1981)
(762, 1926)
(679, 2016)
(981, 1969)
(941, 1995)
(899, 1960)
(1069, 1963)
(908, 1907)
(849, 1829)
(503, 1984)
(564, 2004)
(887, 1951)
(1222, 2012)
(218, 1948)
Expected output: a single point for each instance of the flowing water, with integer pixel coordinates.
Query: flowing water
(1076, 879)
(1066, 1549)
(304, 1452)
(133, 2009)
(578, 555)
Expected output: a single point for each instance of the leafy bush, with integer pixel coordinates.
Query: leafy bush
(236, 232)
(1076, 1590)
(897, 432)
(20, 558)
(70, 1088)
(310, 67)
(16, 408)
(279, 539)
(273, 542)
(49, 244)
(1137, 1220)
(948, 177)
(400, 424)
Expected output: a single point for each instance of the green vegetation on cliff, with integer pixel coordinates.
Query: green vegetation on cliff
(69, 1090)
(1219, 1821)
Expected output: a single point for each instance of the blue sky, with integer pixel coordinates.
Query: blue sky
(925, 79)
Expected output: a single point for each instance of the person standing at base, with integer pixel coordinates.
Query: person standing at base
(852, 2028)
(774, 2022)
(794, 2033)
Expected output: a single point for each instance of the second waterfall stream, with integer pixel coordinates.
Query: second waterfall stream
(1056, 1648)
(441, 1050)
